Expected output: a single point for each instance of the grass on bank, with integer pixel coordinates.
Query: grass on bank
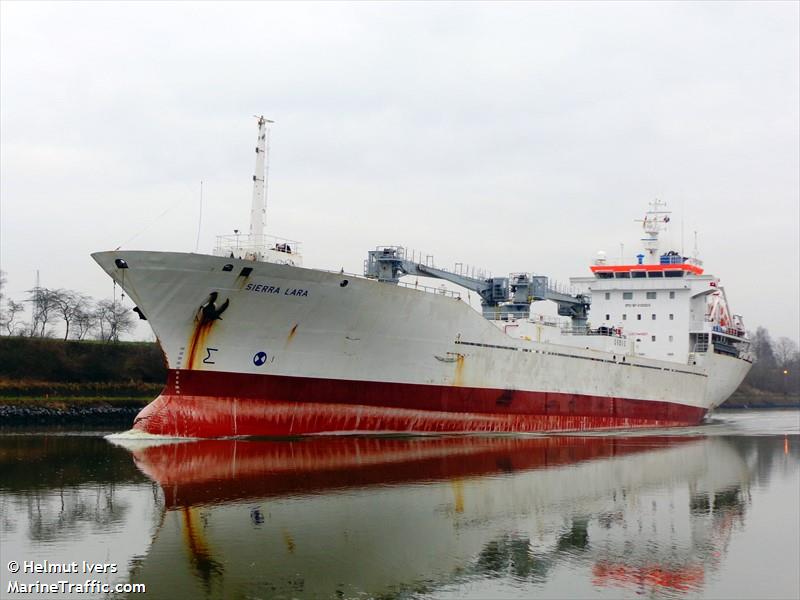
(50, 373)
(66, 395)
(15, 388)
(66, 402)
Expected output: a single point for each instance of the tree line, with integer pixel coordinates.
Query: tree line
(82, 317)
(776, 365)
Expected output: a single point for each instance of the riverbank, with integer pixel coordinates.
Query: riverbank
(750, 397)
(73, 410)
(12, 389)
(57, 382)
(48, 402)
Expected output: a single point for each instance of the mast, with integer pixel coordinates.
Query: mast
(259, 206)
(654, 222)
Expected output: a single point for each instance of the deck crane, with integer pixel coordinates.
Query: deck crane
(501, 297)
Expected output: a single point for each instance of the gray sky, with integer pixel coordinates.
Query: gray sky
(510, 136)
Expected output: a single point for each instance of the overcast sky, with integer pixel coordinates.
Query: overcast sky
(510, 136)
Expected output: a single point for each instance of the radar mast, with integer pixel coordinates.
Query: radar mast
(654, 222)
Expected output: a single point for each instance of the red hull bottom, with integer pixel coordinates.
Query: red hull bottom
(208, 404)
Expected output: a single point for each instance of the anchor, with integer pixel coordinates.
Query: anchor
(208, 310)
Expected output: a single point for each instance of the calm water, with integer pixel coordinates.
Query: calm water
(703, 512)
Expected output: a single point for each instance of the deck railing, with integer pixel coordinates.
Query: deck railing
(442, 291)
(255, 247)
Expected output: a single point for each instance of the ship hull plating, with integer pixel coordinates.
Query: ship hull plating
(224, 404)
(299, 351)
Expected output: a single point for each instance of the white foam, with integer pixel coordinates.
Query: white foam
(133, 439)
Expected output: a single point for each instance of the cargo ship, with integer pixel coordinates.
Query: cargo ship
(258, 344)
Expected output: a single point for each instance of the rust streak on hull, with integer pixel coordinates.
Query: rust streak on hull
(291, 334)
(197, 341)
(458, 377)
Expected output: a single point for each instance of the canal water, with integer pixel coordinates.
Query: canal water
(710, 511)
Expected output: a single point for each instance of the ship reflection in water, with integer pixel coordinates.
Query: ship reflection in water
(386, 517)
(446, 517)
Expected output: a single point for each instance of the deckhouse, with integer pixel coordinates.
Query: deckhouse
(662, 300)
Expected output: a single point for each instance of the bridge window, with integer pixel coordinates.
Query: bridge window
(639, 274)
(655, 274)
(623, 275)
(673, 274)
(627, 295)
(651, 295)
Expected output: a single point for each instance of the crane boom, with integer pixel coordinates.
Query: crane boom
(501, 297)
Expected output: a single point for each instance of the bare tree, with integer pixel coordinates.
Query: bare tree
(785, 350)
(84, 321)
(2, 295)
(67, 304)
(9, 311)
(113, 320)
(761, 344)
(43, 309)
(8, 317)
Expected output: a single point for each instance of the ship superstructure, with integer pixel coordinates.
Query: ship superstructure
(258, 345)
(664, 302)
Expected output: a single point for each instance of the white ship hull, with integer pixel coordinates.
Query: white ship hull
(300, 351)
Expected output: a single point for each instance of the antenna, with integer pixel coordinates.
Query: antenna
(695, 246)
(683, 215)
(199, 218)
